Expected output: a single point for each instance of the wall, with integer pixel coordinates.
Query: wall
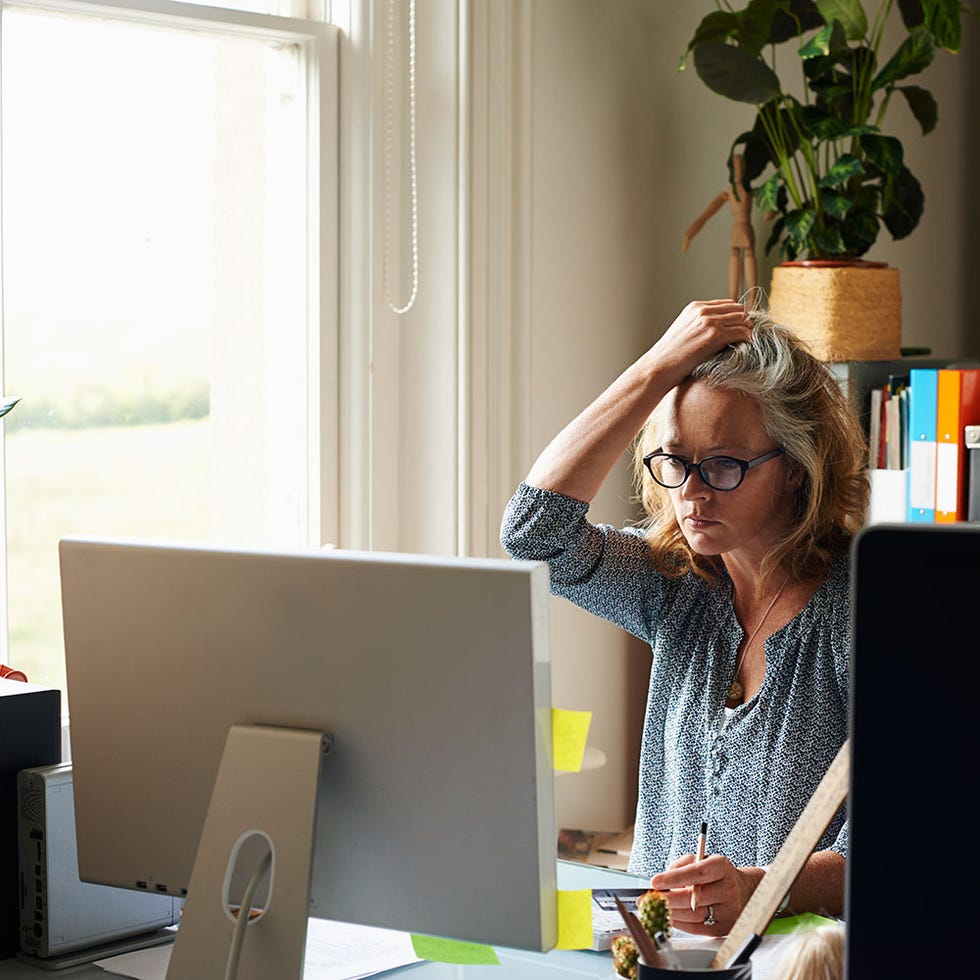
(626, 153)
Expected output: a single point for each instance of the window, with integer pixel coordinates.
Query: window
(168, 286)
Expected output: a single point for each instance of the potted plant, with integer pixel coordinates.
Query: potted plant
(829, 175)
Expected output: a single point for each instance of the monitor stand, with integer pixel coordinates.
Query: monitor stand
(266, 785)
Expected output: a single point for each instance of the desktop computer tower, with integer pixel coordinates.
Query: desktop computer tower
(61, 916)
(30, 735)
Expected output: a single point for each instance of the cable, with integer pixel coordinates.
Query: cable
(388, 164)
(244, 913)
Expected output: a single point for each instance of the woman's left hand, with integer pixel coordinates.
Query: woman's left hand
(720, 891)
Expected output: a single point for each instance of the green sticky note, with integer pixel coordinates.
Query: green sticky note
(575, 919)
(569, 731)
(453, 951)
(806, 920)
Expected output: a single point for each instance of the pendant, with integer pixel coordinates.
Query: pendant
(735, 694)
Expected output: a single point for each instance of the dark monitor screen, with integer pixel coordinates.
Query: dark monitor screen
(915, 684)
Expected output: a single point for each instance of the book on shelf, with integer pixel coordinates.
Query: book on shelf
(889, 449)
(919, 461)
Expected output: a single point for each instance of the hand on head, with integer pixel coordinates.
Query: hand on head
(701, 329)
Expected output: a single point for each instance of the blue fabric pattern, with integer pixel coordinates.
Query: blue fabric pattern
(749, 771)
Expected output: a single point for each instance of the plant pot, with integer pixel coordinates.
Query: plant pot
(845, 310)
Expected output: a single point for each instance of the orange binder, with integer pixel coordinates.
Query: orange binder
(958, 405)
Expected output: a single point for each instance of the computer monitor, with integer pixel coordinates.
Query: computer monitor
(429, 677)
(915, 674)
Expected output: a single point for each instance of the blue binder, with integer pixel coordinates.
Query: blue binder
(923, 396)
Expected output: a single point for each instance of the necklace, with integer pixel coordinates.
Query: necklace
(736, 691)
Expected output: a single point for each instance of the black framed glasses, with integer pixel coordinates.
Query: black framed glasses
(718, 472)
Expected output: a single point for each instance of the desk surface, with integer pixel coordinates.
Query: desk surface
(518, 964)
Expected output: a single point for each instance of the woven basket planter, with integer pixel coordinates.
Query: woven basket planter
(845, 311)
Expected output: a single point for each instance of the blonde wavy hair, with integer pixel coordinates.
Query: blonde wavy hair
(812, 954)
(807, 412)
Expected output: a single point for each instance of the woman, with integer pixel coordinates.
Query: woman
(750, 461)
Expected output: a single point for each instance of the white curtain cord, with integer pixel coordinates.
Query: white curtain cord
(388, 166)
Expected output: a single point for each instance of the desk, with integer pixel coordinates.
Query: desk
(514, 964)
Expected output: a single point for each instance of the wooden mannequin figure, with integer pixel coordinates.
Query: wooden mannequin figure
(741, 260)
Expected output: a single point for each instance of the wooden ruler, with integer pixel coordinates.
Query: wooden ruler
(798, 846)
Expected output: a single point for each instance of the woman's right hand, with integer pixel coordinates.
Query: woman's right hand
(579, 458)
(701, 329)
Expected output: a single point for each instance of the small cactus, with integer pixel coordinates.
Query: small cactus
(653, 912)
(625, 956)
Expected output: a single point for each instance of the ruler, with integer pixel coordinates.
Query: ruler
(798, 846)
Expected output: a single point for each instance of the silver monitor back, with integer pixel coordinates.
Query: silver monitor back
(432, 675)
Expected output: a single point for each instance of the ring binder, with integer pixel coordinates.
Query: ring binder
(971, 438)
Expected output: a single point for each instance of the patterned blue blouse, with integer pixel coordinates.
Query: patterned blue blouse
(749, 771)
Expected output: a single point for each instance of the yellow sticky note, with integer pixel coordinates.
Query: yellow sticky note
(440, 950)
(569, 731)
(575, 919)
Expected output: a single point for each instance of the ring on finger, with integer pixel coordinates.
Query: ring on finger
(709, 919)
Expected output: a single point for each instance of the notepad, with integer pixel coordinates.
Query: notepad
(607, 923)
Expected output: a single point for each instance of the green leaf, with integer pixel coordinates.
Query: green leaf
(717, 26)
(903, 204)
(843, 79)
(849, 12)
(835, 204)
(922, 104)
(823, 125)
(755, 150)
(847, 166)
(911, 11)
(943, 18)
(913, 55)
(753, 24)
(867, 199)
(859, 231)
(830, 41)
(766, 195)
(794, 20)
(819, 44)
(799, 224)
(827, 241)
(735, 73)
(885, 152)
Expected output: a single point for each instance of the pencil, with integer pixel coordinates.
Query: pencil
(702, 844)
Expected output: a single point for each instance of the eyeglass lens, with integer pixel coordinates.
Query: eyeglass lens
(720, 472)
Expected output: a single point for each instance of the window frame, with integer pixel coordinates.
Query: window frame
(320, 46)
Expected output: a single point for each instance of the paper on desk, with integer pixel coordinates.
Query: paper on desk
(334, 951)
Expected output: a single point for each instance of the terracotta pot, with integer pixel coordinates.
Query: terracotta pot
(845, 310)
